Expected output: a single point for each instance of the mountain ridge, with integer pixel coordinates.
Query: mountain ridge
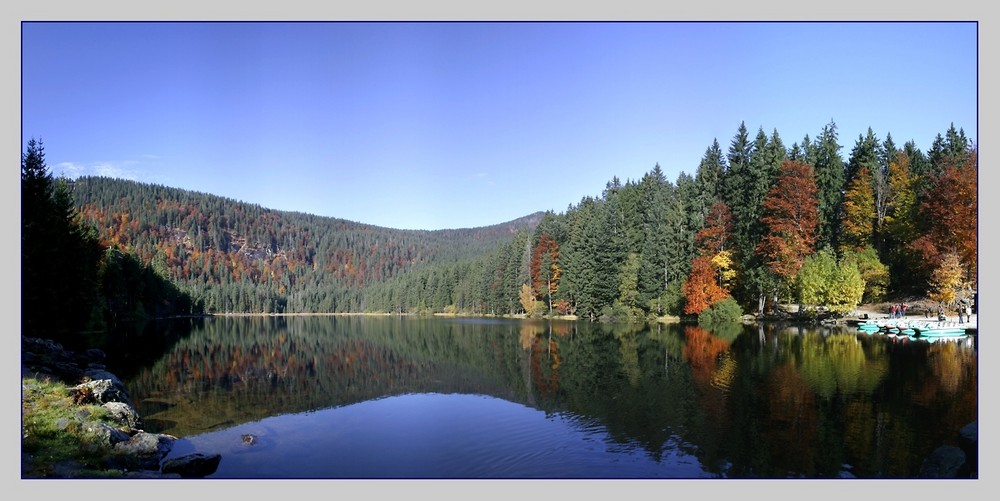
(240, 253)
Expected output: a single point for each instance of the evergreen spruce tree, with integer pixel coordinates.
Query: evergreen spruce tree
(656, 191)
(920, 167)
(59, 257)
(830, 182)
(709, 176)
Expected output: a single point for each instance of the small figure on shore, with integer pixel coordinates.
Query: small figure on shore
(904, 310)
(892, 311)
(960, 312)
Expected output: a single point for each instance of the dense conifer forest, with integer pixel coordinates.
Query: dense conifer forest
(71, 282)
(756, 225)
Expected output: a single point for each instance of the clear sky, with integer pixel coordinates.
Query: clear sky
(447, 125)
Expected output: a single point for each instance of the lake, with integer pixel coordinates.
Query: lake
(364, 397)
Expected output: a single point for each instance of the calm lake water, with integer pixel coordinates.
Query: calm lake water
(389, 397)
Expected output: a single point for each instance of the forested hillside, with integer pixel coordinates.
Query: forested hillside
(758, 224)
(239, 257)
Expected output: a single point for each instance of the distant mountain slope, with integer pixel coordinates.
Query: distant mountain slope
(243, 257)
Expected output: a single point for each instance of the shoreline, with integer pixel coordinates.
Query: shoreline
(861, 314)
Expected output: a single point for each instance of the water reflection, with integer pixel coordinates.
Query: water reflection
(432, 436)
(766, 401)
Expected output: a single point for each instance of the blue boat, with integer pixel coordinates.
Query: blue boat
(938, 329)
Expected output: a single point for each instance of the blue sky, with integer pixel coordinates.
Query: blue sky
(447, 125)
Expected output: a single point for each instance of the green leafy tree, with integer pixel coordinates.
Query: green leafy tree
(823, 281)
(725, 311)
(872, 271)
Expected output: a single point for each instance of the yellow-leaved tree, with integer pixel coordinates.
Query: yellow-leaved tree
(532, 307)
(946, 280)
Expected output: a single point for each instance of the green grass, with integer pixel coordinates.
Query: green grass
(54, 437)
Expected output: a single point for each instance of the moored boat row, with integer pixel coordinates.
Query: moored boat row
(918, 328)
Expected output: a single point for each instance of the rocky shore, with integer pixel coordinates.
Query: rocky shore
(122, 450)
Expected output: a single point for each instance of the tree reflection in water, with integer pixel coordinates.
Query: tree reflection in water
(750, 401)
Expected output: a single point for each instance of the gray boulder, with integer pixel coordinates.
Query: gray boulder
(124, 414)
(102, 391)
(105, 435)
(143, 450)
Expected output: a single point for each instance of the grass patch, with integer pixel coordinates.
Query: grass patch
(57, 432)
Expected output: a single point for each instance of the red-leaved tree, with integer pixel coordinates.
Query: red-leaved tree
(545, 269)
(714, 237)
(791, 218)
(949, 216)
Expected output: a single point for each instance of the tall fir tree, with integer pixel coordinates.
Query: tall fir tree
(830, 181)
(710, 175)
(656, 190)
(59, 257)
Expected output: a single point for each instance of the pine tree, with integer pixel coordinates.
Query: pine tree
(656, 191)
(710, 175)
(830, 181)
(59, 257)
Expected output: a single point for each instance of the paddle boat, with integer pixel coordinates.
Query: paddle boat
(869, 326)
(937, 329)
(890, 326)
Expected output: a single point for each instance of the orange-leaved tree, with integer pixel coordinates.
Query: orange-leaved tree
(701, 290)
(790, 218)
(545, 269)
(711, 277)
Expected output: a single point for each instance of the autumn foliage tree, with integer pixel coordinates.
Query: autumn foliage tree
(545, 269)
(858, 211)
(715, 235)
(528, 302)
(791, 218)
(946, 280)
(949, 215)
(711, 276)
(701, 290)
(900, 222)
